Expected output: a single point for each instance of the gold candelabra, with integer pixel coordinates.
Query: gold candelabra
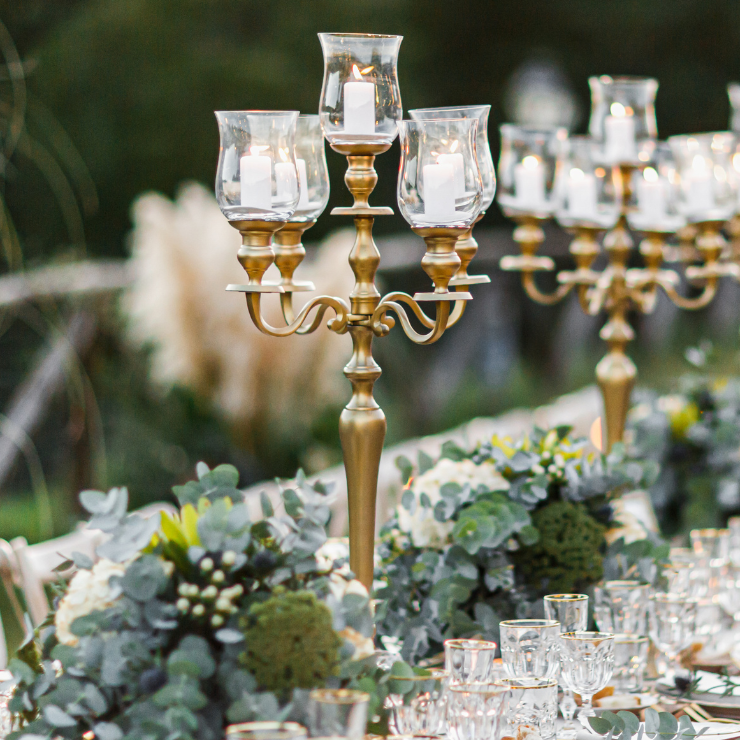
(619, 289)
(362, 425)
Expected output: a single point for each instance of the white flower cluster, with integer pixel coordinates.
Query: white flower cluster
(421, 526)
(88, 591)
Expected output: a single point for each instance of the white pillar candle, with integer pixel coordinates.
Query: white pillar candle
(286, 182)
(303, 179)
(458, 170)
(529, 183)
(619, 134)
(582, 200)
(439, 192)
(359, 105)
(255, 172)
(701, 190)
(651, 194)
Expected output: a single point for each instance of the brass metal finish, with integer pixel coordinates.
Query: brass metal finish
(362, 424)
(618, 290)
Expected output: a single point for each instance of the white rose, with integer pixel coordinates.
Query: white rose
(88, 591)
(626, 525)
(364, 646)
(340, 586)
(423, 528)
(335, 548)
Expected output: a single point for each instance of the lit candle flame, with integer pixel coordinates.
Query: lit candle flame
(736, 161)
(367, 69)
(530, 162)
(454, 146)
(698, 164)
(283, 154)
(618, 110)
(650, 174)
(356, 72)
(255, 150)
(576, 174)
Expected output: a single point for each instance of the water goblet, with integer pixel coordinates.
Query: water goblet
(532, 702)
(338, 713)
(529, 647)
(587, 660)
(266, 731)
(571, 610)
(469, 661)
(474, 710)
(672, 626)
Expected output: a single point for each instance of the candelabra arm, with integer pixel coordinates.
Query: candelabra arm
(546, 299)
(382, 324)
(301, 324)
(289, 253)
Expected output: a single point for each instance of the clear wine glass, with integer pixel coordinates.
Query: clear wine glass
(571, 610)
(587, 660)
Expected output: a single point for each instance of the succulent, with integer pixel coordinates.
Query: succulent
(567, 557)
(291, 642)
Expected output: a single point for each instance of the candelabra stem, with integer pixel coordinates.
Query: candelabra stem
(362, 429)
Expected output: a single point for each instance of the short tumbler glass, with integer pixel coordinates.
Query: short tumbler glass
(338, 713)
(530, 648)
(419, 704)
(532, 702)
(474, 711)
(266, 731)
(469, 661)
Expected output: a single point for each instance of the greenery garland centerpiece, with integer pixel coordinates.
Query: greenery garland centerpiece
(479, 536)
(196, 620)
(694, 435)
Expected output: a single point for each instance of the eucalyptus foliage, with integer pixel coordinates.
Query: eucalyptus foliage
(197, 600)
(658, 726)
(480, 556)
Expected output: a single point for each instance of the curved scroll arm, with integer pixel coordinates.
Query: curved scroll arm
(381, 323)
(339, 324)
(546, 299)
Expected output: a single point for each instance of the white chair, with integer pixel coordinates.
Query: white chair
(31, 567)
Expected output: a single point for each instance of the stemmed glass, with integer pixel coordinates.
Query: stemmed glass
(571, 610)
(266, 731)
(672, 626)
(621, 606)
(587, 662)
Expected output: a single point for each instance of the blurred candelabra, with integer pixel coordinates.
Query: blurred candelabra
(617, 179)
(272, 185)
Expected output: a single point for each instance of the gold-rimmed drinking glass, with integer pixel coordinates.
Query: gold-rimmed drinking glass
(419, 704)
(529, 647)
(532, 702)
(469, 661)
(621, 606)
(338, 713)
(571, 610)
(587, 663)
(266, 731)
(475, 710)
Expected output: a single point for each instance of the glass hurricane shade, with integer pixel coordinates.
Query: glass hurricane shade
(483, 149)
(439, 183)
(313, 173)
(656, 193)
(586, 192)
(360, 96)
(733, 92)
(623, 117)
(257, 177)
(527, 167)
(709, 169)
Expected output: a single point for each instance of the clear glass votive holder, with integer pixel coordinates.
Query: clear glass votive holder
(531, 702)
(530, 647)
(621, 607)
(338, 713)
(469, 661)
(630, 661)
(419, 704)
(266, 731)
(475, 711)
